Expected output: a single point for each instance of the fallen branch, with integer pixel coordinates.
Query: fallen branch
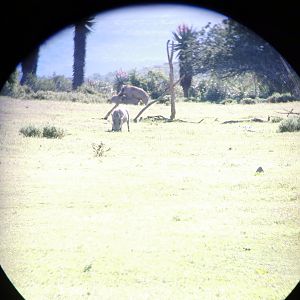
(149, 104)
(157, 118)
(162, 118)
(184, 121)
(156, 100)
(289, 112)
(107, 115)
(242, 121)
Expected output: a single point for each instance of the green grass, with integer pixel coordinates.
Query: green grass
(174, 210)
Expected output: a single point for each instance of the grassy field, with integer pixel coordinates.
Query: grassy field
(171, 211)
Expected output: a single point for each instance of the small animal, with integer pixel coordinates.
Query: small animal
(120, 116)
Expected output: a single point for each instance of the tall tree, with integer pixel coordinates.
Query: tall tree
(29, 66)
(81, 31)
(170, 53)
(230, 49)
(186, 45)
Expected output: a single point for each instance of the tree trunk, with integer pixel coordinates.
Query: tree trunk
(79, 55)
(186, 81)
(255, 84)
(29, 66)
(171, 78)
(186, 84)
(293, 77)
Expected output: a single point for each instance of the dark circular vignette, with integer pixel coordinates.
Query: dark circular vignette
(27, 24)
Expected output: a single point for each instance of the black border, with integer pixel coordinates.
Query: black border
(24, 24)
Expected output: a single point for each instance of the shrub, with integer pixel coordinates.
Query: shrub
(54, 83)
(46, 131)
(290, 124)
(12, 87)
(87, 90)
(192, 99)
(156, 83)
(51, 132)
(121, 78)
(210, 89)
(260, 100)
(99, 149)
(248, 101)
(67, 96)
(31, 131)
(228, 101)
(97, 87)
(136, 79)
(276, 119)
(16, 91)
(279, 98)
(61, 83)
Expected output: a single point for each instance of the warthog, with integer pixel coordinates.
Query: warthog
(124, 100)
(133, 92)
(119, 116)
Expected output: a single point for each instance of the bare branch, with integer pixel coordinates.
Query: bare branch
(107, 115)
(289, 112)
(244, 120)
(156, 100)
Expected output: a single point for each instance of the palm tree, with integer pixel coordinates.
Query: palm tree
(29, 66)
(186, 43)
(81, 31)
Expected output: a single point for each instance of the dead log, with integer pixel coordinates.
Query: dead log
(243, 121)
(162, 118)
(157, 118)
(257, 120)
(233, 121)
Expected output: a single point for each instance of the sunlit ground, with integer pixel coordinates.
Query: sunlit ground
(171, 211)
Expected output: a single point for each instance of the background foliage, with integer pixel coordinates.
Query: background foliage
(223, 63)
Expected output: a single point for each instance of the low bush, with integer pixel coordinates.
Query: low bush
(165, 99)
(67, 96)
(54, 83)
(100, 149)
(290, 124)
(248, 101)
(260, 100)
(276, 119)
(191, 99)
(31, 131)
(280, 98)
(50, 132)
(228, 101)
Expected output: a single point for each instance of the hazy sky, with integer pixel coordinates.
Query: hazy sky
(126, 38)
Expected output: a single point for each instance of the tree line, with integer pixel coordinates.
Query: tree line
(222, 54)
(228, 50)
